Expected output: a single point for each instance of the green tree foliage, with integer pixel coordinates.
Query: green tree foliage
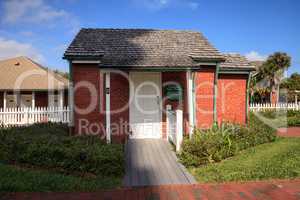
(272, 70)
(292, 84)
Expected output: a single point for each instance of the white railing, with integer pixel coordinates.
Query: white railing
(175, 127)
(25, 116)
(257, 107)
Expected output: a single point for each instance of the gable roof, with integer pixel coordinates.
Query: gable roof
(236, 61)
(35, 76)
(257, 64)
(142, 48)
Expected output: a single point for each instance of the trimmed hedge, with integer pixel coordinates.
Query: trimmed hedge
(49, 146)
(218, 143)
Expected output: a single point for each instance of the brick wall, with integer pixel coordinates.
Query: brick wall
(83, 97)
(179, 77)
(204, 92)
(41, 99)
(231, 102)
(119, 98)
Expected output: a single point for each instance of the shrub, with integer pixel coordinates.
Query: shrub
(283, 118)
(293, 118)
(207, 146)
(259, 131)
(48, 145)
(218, 143)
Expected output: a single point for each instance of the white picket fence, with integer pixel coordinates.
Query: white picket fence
(257, 107)
(175, 127)
(25, 116)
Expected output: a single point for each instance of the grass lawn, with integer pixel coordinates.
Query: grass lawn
(277, 160)
(19, 180)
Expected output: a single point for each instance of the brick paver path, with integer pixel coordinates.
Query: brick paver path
(277, 190)
(289, 132)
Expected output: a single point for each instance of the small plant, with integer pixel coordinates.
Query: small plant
(218, 143)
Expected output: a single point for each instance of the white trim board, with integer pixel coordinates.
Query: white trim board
(107, 105)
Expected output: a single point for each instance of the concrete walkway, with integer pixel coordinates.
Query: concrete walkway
(152, 162)
(264, 190)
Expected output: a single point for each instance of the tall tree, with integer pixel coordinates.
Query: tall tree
(273, 69)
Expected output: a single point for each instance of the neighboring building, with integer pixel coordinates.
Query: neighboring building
(25, 83)
(213, 86)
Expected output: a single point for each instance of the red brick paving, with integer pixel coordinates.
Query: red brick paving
(266, 190)
(289, 132)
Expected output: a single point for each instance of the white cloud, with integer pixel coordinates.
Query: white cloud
(31, 11)
(193, 5)
(255, 56)
(155, 5)
(37, 12)
(152, 4)
(12, 48)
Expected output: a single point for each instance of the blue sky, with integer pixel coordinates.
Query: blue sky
(42, 29)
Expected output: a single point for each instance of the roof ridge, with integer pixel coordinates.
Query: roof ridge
(143, 29)
(232, 54)
(139, 46)
(58, 77)
(12, 58)
(36, 76)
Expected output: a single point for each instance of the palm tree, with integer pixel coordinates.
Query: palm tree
(273, 69)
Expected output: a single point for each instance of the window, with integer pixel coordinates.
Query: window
(26, 100)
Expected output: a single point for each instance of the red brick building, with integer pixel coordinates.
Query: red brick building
(124, 79)
(25, 83)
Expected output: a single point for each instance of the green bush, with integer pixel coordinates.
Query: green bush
(49, 146)
(283, 118)
(218, 143)
(207, 146)
(293, 118)
(293, 121)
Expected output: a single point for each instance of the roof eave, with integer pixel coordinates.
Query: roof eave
(71, 57)
(202, 59)
(237, 69)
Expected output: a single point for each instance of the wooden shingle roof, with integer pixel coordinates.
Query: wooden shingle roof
(143, 47)
(236, 61)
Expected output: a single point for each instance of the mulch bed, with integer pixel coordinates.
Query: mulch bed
(277, 190)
